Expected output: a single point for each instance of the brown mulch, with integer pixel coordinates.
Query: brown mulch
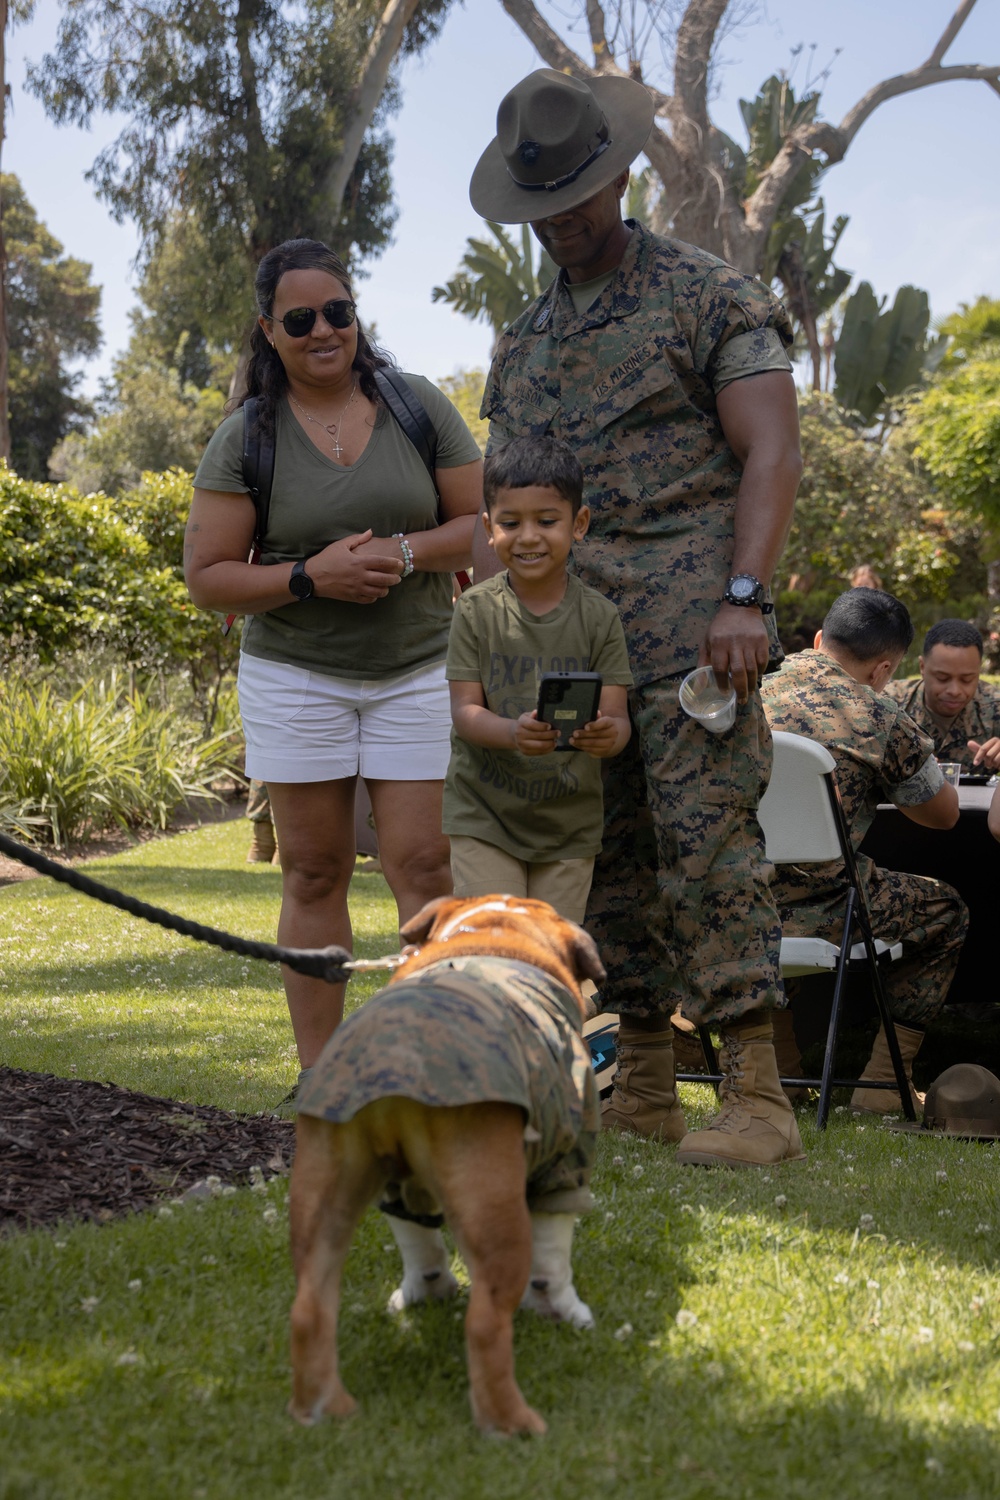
(71, 1148)
(232, 804)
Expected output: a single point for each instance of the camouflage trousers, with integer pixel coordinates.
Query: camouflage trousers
(680, 904)
(928, 917)
(258, 803)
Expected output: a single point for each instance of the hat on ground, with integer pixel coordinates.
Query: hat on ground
(599, 1034)
(559, 141)
(964, 1101)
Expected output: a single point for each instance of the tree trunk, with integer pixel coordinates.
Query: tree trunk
(4, 362)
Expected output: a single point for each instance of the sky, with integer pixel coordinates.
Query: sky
(916, 182)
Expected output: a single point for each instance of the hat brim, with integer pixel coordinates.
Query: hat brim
(628, 109)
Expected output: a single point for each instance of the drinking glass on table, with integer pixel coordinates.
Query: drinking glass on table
(951, 770)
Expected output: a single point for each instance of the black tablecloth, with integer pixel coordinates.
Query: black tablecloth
(968, 858)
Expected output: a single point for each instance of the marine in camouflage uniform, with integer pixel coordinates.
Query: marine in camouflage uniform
(882, 756)
(680, 902)
(468, 1031)
(979, 720)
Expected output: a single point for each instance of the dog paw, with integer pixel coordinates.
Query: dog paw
(562, 1307)
(431, 1286)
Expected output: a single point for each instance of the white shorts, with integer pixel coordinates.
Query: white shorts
(304, 726)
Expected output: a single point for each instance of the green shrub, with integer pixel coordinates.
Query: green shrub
(100, 757)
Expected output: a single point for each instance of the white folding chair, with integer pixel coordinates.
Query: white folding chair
(803, 822)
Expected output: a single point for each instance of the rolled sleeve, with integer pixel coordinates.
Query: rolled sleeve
(750, 354)
(920, 788)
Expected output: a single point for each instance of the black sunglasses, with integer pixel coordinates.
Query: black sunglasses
(338, 312)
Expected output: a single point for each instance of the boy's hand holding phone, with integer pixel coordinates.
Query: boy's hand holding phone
(599, 738)
(532, 736)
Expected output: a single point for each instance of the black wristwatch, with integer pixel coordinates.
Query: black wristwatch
(744, 589)
(300, 583)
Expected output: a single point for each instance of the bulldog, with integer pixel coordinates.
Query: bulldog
(462, 1092)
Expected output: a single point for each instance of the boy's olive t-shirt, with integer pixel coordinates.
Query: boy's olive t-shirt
(315, 501)
(536, 807)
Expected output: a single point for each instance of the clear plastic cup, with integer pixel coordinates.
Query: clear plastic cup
(951, 770)
(703, 699)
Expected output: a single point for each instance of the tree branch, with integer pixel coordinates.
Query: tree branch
(550, 47)
(905, 83)
(378, 60)
(950, 32)
(695, 38)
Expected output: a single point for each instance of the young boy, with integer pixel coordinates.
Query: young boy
(523, 818)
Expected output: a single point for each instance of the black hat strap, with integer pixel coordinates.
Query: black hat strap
(561, 182)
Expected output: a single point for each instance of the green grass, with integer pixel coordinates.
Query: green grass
(829, 1329)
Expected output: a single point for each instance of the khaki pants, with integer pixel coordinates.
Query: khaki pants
(480, 869)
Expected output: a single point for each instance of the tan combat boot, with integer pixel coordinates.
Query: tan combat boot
(756, 1125)
(787, 1054)
(644, 1094)
(262, 847)
(879, 1069)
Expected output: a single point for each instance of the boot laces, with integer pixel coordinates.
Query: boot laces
(731, 1115)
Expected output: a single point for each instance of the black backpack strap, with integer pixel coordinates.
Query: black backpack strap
(258, 467)
(408, 410)
(258, 476)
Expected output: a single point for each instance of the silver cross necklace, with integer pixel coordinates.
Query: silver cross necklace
(332, 429)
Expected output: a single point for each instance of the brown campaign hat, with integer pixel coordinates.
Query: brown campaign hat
(559, 141)
(964, 1101)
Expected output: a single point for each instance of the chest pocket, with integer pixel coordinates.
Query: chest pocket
(513, 416)
(649, 418)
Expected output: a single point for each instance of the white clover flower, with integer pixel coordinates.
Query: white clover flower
(780, 1201)
(649, 1293)
(227, 1191)
(685, 1318)
(866, 1221)
(89, 1304)
(269, 1215)
(933, 1465)
(60, 1244)
(941, 1176)
(842, 1279)
(624, 1332)
(637, 1171)
(965, 1346)
(135, 1286)
(209, 1260)
(872, 1286)
(983, 1228)
(925, 1335)
(686, 1208)
(128, 1358)
(163, 1212)
(618, 1161)
(257, 1183)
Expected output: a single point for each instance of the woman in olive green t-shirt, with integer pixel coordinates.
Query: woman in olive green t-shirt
(354, 601)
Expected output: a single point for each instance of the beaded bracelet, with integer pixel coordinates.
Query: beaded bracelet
(407, 552)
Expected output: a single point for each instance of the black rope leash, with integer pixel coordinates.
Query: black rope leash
(334, 964)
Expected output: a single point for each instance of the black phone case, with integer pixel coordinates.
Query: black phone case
(567, 701)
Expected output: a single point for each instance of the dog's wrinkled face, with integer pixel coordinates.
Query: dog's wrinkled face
(508, 926)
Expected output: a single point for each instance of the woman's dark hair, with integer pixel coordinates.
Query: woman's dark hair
(266, 376)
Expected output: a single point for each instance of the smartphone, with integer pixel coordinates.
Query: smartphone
(568, 701)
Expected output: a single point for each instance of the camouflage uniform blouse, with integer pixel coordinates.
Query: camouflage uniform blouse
(979, 720)
(881, 756)
(631, 386)
(467, 1031)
